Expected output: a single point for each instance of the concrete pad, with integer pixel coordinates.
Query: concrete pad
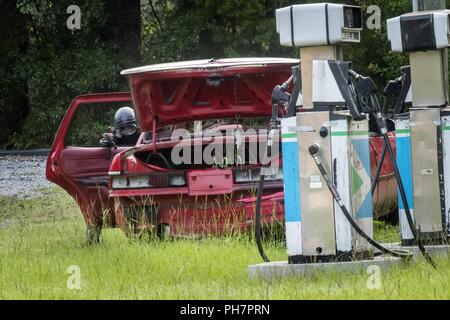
(438, 251)
(278, 270)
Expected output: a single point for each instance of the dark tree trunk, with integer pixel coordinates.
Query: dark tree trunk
(14, 105)
(130, 29)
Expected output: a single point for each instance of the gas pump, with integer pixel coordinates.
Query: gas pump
(326, 157)
(326, 145)
(423, 134)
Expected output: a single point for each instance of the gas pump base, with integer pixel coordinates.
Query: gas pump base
(278, 270)
(436, 251)
(339, 257)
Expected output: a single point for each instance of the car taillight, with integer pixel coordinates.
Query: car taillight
(177, 180)
(136, 182)
(245, 175)
(153, 180)
(116, 166)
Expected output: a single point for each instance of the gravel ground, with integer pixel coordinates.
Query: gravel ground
(22, 177)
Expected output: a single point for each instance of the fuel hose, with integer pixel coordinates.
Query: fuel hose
(376, 179)
(278, 95)
(258, 228)
(380, 163)
(381, 122)
(401, 188)
(366, 90)
(314, 152)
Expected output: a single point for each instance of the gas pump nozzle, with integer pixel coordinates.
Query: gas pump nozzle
(339, 70)
(279, 94)
(399, 89)
(367, 94)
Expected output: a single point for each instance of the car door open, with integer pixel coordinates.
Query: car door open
(78, 162)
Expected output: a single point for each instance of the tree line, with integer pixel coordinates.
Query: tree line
(44, 65)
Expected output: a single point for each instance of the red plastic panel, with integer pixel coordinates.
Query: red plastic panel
(385, 196)
(210, 182)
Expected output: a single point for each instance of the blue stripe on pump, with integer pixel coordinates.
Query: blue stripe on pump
(403, 145)
(291, 182)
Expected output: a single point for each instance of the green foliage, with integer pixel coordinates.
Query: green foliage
(89, 124)
(48, 65)
(13, 88)
(199, 29)
(373, 56)
(71, 74)
(61, 64)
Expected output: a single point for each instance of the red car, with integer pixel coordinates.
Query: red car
(186, 111)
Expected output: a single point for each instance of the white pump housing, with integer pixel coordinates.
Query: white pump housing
(320, 24)
(422, 31)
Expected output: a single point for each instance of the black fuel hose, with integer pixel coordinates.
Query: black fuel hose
(297, 79)
(376, 179)
(258, 229)
(278, 95)
(367, 89)
(381, 122)
(401, 188)
(314, 151)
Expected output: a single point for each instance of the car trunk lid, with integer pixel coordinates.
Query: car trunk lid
(205, 89)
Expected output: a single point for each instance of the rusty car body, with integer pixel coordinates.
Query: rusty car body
(140, 188)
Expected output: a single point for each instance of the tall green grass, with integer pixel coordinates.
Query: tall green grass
(45, 236)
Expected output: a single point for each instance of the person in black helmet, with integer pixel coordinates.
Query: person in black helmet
(126, 131)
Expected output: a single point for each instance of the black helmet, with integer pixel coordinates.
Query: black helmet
(124, 117)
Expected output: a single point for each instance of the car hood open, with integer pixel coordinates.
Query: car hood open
(205, 89)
